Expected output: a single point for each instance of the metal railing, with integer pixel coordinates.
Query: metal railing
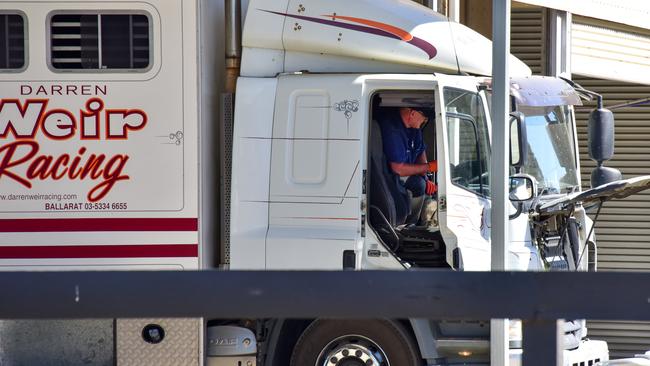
(539, 299)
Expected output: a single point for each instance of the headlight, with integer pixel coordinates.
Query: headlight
(514, 333)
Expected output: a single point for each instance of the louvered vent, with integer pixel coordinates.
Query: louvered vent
(100, 41)
(12, 41)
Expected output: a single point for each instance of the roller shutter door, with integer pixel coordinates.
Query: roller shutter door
(527, 36)
(608, 50)
(623, 229)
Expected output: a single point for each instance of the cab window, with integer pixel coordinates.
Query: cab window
(468, 140)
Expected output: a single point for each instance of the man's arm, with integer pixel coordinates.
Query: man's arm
(406, 170)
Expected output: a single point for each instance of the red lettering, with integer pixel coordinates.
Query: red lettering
(120, 121)
(40, 168)
(73, 172)
(21, 162)
(62, 160)
(8, 162)
(92, 166)
(112, 175)
(22, 121)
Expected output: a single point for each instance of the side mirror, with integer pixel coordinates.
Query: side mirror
(601, 145)
(522, 188)
(518, 138)
(601, 134)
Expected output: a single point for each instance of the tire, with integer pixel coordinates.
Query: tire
(349, 343)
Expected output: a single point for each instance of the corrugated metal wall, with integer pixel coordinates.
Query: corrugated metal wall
(528, 35)
(610, 51)
(623, 229)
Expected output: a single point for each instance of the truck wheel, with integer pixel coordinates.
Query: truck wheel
(355, 343)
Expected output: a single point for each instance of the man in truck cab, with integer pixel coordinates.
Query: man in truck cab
(401, 131)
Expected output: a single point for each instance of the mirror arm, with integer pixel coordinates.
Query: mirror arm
(585, 93)
(520, 208)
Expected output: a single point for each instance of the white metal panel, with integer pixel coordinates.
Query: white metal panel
(315, 175)
(623, 228)
(160, 176)
(164, 149)
(250, 172)
(630, 12)
(608, 51)
(262, 30)
(308, 131)
(393, 33)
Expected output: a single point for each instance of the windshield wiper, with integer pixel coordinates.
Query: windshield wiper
(571, 189)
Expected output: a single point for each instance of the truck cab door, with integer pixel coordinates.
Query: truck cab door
(314, 196)
(464, 179)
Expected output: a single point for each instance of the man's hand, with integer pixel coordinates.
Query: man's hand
(431, 188)
(432, 166)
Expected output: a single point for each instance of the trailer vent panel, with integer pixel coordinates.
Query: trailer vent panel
(12, 42)
(100, 41)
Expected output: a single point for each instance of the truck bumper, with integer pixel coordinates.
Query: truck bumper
(588, 353)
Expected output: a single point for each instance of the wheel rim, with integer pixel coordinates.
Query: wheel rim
(352, 350)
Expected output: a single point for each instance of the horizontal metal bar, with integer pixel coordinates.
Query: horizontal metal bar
(304, 294)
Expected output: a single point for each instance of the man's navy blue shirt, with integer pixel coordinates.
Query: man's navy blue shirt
(401, 144)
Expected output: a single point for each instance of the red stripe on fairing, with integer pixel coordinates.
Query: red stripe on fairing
(385, 30)
(98, 224)
(99, 251)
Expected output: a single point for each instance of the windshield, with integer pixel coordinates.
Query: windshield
(551, 150)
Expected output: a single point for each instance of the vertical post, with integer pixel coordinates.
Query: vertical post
(500, 164)
(542, 342)
(454, 10)
(559, 50)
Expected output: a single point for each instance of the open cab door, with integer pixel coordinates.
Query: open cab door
(464, 179)
(457, 234)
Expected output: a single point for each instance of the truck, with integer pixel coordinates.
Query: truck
(118, 153)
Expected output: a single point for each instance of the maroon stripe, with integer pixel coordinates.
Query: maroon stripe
(103, 224)
(420, 43)
(99, 251)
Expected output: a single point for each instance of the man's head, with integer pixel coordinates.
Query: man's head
(414, 117)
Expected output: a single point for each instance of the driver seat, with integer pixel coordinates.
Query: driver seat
(386, 212)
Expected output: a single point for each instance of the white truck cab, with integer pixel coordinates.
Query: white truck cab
(321, 179)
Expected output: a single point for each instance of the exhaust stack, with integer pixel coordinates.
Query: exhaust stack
(233, 43)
